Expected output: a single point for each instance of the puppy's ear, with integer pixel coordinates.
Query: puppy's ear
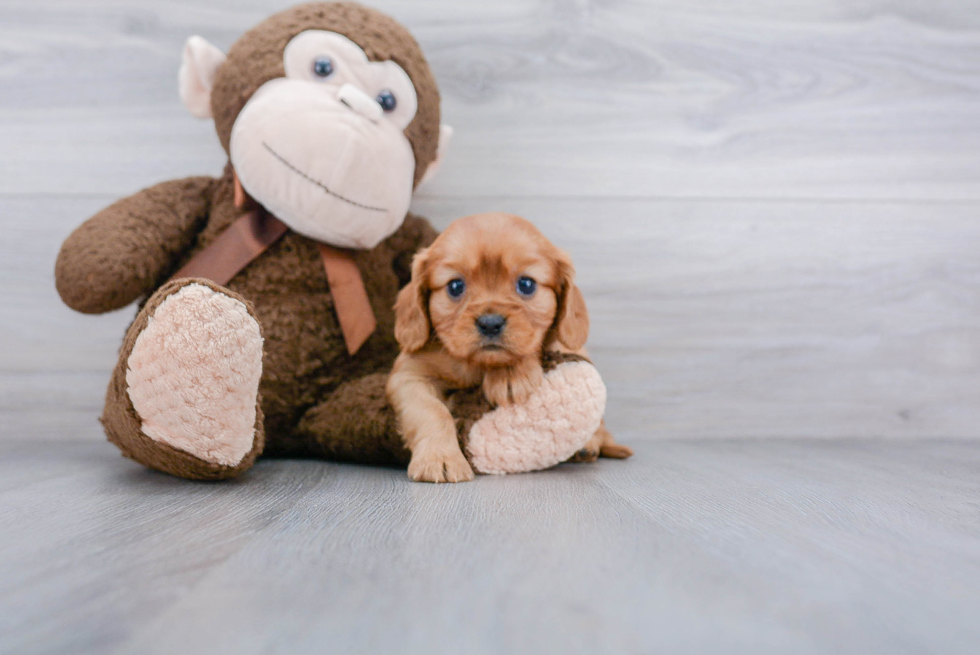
(571, 326)
(412, 327)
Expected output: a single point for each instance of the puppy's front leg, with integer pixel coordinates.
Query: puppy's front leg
(427, 427)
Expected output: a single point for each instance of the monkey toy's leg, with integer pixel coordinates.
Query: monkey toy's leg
(183, 398)
(357, 424)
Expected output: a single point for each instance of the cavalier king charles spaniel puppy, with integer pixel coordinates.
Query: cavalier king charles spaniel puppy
(486, 299)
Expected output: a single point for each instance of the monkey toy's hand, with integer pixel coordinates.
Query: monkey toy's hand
(557, 421)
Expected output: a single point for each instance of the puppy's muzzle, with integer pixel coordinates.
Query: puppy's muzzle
(491, 325)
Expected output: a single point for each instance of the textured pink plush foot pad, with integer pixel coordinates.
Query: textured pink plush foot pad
(193, 375)
(555, 423)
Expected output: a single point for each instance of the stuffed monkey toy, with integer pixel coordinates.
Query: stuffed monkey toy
(266, 295)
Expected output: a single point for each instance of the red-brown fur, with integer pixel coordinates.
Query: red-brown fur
(442, 348)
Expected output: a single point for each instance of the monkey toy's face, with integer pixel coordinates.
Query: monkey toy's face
(324, 147)
(322, 143)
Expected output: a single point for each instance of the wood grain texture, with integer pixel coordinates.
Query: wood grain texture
(737, 546)
(568, 98)
(709, 318)
(653, 140)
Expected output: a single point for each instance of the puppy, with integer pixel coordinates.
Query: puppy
(485, 299)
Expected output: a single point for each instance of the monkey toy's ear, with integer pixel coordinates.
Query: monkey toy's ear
(200, 64)
(445, 134)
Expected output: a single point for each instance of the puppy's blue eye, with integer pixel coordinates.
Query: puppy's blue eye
(323, 67)
(456, 287)
(526, 286)
(387, 100)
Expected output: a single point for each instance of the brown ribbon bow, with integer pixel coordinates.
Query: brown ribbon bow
(252, 234)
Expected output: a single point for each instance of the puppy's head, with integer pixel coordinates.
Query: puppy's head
(493, 290)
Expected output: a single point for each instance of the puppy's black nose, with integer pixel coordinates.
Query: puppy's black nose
(491, 325)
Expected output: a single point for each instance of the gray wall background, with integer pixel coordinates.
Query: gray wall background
(774, 206)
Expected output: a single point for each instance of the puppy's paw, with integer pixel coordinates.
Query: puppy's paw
(512, 386)
(589, 452)
(615, 451)
(609, 448)
(522, 386)
(496, 388)
(439, 466)
(601, 444)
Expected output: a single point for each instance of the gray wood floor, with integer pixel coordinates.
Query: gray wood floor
(755, 546)
(774, 208)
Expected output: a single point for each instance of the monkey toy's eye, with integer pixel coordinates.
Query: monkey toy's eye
(456, 287)
(323, 67)
(387, 100)
(526, 286)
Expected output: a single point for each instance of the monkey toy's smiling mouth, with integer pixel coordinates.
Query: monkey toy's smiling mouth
(318, 183)
(328, 172)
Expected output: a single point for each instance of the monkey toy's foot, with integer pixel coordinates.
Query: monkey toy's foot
(557, 421)
(184, 396)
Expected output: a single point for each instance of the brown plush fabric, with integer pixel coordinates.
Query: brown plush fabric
(356, 424)
(128, 250)
(123, 426)
(305, 359)
(314, 398)
(256, 58)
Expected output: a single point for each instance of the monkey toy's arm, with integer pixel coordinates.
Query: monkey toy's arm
(122, 252)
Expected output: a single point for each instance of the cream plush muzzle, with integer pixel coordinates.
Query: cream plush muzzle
(316, 148)
(347, 182)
